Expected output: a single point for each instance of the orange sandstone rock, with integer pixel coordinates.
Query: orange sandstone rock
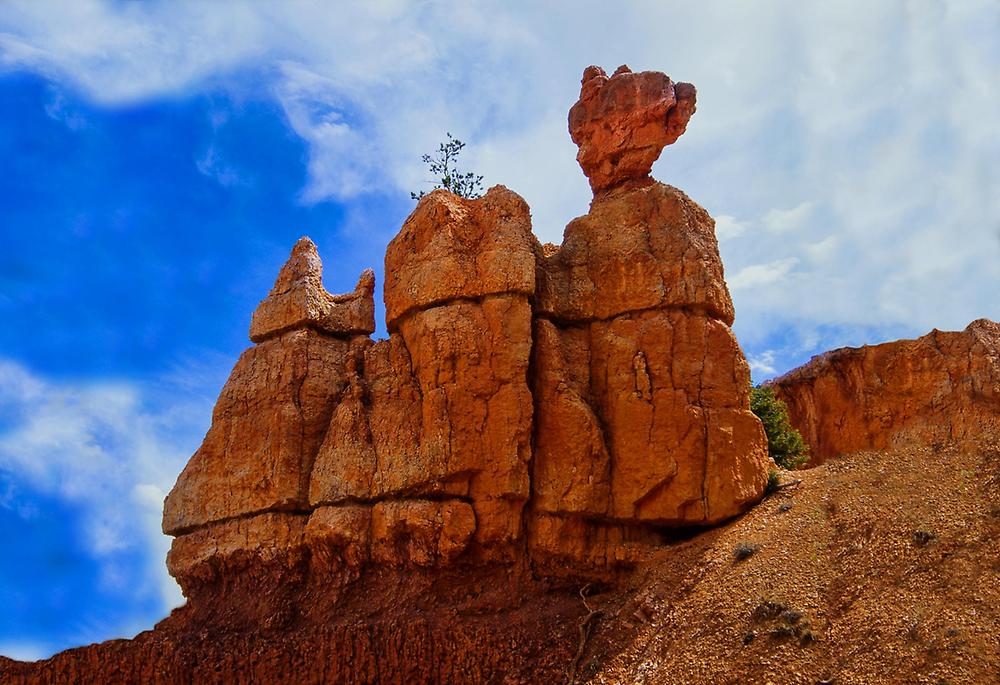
(651, 247)
(452, 248)
(267, 426)
(941, 388)
(226, 548)
(299, 299)
(598, 380)
(641, 390)
(444, 407)
(340, 535)
(622, 123)
(422, 533)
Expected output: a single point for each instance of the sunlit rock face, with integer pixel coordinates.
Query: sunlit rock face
(942, 388)
(622, 123)
(559, 404)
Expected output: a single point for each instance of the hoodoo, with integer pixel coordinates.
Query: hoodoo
(398, 510)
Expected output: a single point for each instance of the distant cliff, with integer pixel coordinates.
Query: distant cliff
(941, 389)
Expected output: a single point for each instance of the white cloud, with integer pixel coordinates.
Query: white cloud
(857, 138)
(762, 274)
(786, 220)
(106, 449)
(727, 227)
(763, 363)
(211, 164)
(823, 250)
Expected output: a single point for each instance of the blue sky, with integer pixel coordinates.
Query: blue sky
(158, 160)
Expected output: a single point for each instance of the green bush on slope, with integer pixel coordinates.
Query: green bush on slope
(784, 443)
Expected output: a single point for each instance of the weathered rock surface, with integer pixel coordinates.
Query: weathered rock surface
(614, 398)
(598, 381)
(267, 426)
(648, 248)
(451, 249)
(641, 391)
(622, 123)
(299, 299)
(943, 388)
(444, 408)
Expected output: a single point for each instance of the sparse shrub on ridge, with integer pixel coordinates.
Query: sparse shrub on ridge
(463, 183)
(784, 443)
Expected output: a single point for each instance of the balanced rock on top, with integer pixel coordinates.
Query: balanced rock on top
(622, 123)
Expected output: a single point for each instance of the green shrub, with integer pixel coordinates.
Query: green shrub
(447, 176)
(784, 443)
(773, 481)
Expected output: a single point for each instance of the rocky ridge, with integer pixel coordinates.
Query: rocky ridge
(940, 389)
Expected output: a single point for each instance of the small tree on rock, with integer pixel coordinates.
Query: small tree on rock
(463, 184)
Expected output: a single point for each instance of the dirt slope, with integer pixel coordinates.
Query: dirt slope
(880, 567)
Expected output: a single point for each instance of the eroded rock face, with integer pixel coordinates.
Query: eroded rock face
(622, 123)
(597, 381)
(444, 408)
(648, 248)
(641, 390)
(267, 426)
(941, 388)
(451, 249)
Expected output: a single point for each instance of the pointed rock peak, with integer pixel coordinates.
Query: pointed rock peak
(299, 300)
(366, 282)
(984, 326)
(304, 269)
(622, 123)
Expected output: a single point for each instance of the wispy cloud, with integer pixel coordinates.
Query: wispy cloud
(727, 227)
(113, 449)
(762, 365)
(786, 220)
(769, 274)
(211, 164)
